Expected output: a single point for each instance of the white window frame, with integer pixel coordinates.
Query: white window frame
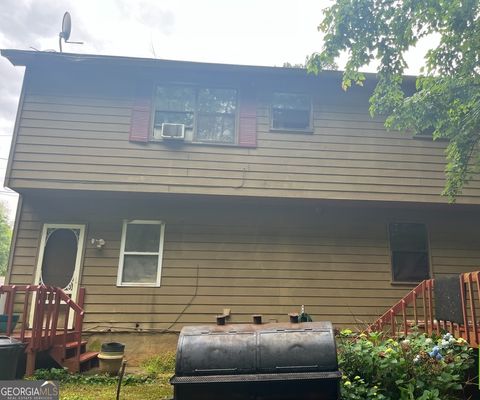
(123, 253)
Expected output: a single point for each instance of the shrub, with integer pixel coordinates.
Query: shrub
(417, 367)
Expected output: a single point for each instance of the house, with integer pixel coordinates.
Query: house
(173, 191)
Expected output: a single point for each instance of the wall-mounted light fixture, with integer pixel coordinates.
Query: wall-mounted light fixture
(98, 243)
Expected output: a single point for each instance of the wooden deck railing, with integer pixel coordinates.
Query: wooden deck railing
(416, 310)
(42, 308)
(470, 294)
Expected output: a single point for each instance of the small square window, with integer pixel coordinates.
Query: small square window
(291, 111)
(409, 251)
(141, 253)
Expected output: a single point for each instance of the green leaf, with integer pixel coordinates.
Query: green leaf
(447, 96)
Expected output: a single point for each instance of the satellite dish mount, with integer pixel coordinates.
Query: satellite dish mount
(66, 30)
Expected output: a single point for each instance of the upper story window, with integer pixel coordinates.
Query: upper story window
(207, 114)
(291, 111)
(409, 249)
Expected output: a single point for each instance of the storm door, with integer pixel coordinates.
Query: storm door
(60, 257)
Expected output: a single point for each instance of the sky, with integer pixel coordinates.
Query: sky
(252, 32)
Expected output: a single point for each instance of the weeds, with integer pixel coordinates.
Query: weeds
(63, 376)
(160, 364)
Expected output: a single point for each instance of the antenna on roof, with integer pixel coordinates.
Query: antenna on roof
(66, 30)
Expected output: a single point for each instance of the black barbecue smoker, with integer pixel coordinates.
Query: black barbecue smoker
(275, 361)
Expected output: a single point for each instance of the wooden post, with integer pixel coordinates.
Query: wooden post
(404, 315)
(31, 359)
(464, 308)
(430, 304)
(415, 312)
(25, 315)
(472, 309)
(424, 298)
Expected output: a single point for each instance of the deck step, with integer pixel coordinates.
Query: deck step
(72, 345)
(89, 355)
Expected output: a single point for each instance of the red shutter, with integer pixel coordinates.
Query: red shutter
(140, 124)
(247, 127)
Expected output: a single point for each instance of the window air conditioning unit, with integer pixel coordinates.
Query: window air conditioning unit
(173, 131)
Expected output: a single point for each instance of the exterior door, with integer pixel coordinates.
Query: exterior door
(60, 257)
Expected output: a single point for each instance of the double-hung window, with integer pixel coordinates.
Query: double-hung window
(291, 112)
(208, 114)
(141, 253)
(409, 252)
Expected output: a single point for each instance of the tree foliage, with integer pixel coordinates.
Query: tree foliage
(5, 239)
(447, 96)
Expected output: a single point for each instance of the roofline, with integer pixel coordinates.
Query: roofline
(28, 58)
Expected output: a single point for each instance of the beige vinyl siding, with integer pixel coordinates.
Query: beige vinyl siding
(249, 256)
(79, 140)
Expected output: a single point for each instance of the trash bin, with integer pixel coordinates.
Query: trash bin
(4, 322)
(111, 357)
(113, 347)
(10, 352)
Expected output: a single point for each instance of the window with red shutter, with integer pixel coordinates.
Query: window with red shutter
(205, 115)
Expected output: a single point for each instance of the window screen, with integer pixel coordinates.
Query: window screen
(409, 247)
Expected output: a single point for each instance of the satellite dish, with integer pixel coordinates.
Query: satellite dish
(66, 30)
(66, 26)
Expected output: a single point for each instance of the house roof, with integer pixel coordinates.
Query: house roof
(28, 57)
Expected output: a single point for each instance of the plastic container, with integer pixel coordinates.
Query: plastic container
(113, 347)
(111, 357)
(4, 322)
(10, 352)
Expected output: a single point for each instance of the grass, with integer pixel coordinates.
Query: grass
(160, 389)
(160, 364)
(153, 384)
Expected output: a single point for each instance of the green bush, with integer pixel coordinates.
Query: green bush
(160, 364)
(417, 367)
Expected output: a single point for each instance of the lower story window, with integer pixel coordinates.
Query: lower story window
(409, 251)
(141, 253)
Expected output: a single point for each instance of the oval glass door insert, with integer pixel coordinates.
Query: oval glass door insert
(59, 258)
